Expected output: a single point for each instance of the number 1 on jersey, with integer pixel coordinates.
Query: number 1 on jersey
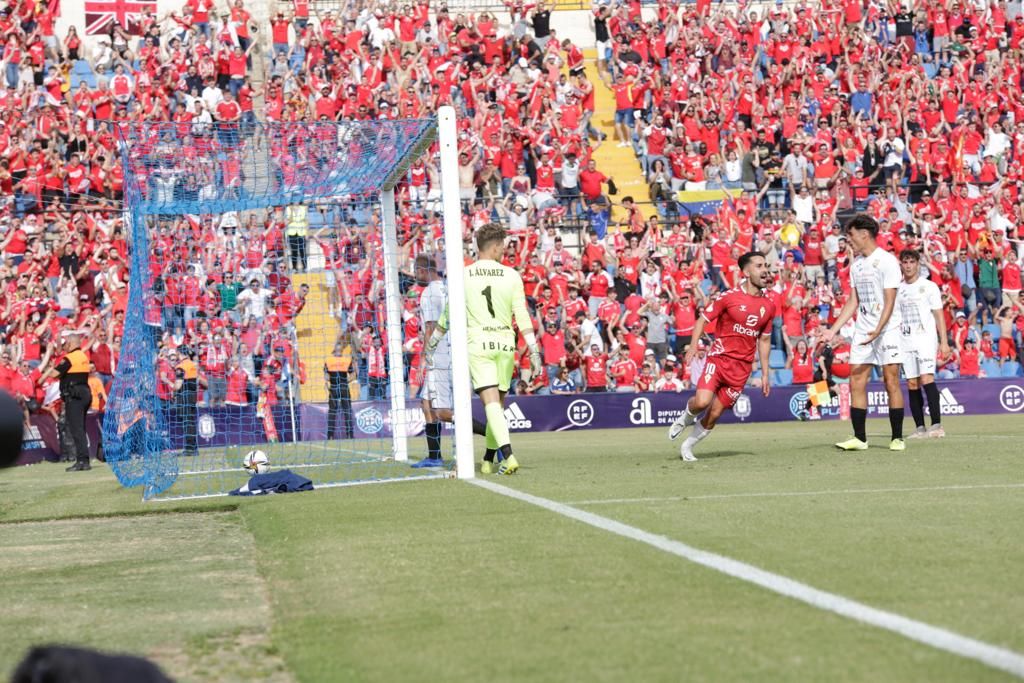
(487, 295)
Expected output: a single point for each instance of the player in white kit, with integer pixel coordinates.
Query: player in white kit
(875, 278)
(438, 400)
(437, 397)
(923, 334)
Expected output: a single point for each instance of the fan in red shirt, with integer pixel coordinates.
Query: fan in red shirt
(743, 323)
(596, 369)
(624, 370)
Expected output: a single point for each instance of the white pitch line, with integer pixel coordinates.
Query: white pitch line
(932, 636)
(790, 494)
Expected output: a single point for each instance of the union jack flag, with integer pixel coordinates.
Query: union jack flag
(100, 14)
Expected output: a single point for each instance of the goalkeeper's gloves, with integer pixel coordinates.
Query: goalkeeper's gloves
(536, 364)
(428, 351)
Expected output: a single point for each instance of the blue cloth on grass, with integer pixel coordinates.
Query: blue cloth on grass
(281, 481)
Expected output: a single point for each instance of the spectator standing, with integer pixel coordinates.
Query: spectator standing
(658, 321)
(296, 231)
(989, 288)
(963, 267)
(596, 364)
(541, 20)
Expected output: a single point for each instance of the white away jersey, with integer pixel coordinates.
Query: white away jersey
(432, 301)
(871, 276)
(916, 303)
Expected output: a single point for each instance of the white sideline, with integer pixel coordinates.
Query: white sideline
(790, 494)
(933, 636)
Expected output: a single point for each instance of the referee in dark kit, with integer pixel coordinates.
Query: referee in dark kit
(73, 372)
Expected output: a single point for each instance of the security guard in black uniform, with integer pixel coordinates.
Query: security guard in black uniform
(186, 393)
(339, 399)
(73, 372)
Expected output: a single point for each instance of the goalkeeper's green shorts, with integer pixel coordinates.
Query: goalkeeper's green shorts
(491, 368)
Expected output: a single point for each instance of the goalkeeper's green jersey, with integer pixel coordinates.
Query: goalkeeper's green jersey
(494, 296)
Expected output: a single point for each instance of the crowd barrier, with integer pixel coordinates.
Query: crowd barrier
(231, 425)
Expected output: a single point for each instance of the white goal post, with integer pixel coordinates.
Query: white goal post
(462, 439)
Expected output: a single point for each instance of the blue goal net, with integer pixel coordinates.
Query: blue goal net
(267, 304)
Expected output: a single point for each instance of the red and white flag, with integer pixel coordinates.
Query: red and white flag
(100, 14)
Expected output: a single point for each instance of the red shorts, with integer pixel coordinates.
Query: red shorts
(725, 377)
(1007, 349)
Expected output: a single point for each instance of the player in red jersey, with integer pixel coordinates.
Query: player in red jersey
(743, 324)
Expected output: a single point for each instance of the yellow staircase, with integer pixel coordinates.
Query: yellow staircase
(615, 162)
(317, 332)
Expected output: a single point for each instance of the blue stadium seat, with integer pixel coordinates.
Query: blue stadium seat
(88, 77)
(783, 377)
(777, 359)
(756, 374)
(1011, 368)
(81, 67)
(876, 374)
(994, 329)
(991, 368)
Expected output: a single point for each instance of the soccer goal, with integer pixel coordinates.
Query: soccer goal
(272, 303)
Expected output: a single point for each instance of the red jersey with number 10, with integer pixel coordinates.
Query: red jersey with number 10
(740, 319)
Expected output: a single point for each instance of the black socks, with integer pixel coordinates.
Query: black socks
(917, 406)
(433, 431)
(896, 422)
(934, 407)
(859, 418)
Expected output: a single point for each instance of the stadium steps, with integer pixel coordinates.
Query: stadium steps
(316, 332)
(615, 162)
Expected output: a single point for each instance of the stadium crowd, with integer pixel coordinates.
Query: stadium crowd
(805, 112)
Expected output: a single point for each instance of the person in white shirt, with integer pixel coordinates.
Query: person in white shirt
(570, 183)
(254, 300)
(803, 205)
(875, 277)
(212, 95)
(997, 143)
(923, 334)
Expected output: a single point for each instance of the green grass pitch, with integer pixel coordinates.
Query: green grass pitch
(440, 580)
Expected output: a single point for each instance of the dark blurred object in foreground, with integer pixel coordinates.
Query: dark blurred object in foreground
(53, 664)
(11, 430)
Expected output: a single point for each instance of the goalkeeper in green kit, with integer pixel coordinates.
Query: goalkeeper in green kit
(494, 296)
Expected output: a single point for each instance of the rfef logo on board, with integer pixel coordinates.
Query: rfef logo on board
(580, 413)
(1011, 398)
